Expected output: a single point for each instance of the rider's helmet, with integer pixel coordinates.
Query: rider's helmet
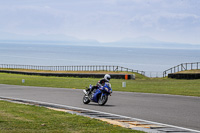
(107, 77)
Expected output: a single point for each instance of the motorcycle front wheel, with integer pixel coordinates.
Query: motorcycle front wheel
(102, 100)
(86, 100)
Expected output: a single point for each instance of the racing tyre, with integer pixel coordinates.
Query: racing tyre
(102, 100)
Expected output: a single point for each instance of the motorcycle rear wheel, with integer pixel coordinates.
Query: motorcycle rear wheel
(102, 100)
(86, 100)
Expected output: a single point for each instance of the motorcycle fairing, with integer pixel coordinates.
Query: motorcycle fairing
(96, 95)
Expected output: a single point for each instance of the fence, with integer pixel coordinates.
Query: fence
(71, 68)
(154, 74)
(182, 67)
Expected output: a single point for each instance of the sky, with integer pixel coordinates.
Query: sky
(101, 20)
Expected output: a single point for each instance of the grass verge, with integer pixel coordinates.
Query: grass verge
(153, 85)
(139, 76)
(19, 118)
(190, 71)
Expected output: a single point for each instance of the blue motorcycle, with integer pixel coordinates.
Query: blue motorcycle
(99, 95)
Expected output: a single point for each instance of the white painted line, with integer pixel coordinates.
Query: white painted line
(77, 108)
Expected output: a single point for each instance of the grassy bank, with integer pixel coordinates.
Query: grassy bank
(18, 118)
(145, 85)
(96, 72)
(190, 71)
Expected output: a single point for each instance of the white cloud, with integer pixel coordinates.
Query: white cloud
(104, 20)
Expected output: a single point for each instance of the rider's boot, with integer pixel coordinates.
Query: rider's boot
(88, 90)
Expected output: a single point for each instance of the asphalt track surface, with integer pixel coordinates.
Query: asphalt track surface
(182, 111)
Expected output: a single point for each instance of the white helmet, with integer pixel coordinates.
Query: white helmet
(107, 77)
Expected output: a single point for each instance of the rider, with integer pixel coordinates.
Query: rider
(101, 82)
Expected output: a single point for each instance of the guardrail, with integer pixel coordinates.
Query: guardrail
(71, 68)
(182, 67)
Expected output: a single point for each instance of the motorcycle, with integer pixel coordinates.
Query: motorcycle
(99, 95)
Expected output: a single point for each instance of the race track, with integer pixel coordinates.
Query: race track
(179, 111)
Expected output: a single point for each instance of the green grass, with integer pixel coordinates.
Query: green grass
(18, 118)
(144, 85)
(190, 71)
(139, 76)
(162, 86)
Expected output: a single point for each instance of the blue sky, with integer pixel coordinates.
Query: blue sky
(102, 20)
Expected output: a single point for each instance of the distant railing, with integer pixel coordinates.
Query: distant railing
(71, 68)
(182, 67)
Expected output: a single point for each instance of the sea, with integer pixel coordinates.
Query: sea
(151, 60)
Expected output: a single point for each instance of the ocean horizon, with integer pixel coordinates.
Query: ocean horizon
(151, 60)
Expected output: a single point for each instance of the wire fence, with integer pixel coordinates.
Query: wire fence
(178, 68)
(154, 74)
(182, 67)
(71, 68)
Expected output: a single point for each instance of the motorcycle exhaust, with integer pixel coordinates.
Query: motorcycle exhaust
(84, 91)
